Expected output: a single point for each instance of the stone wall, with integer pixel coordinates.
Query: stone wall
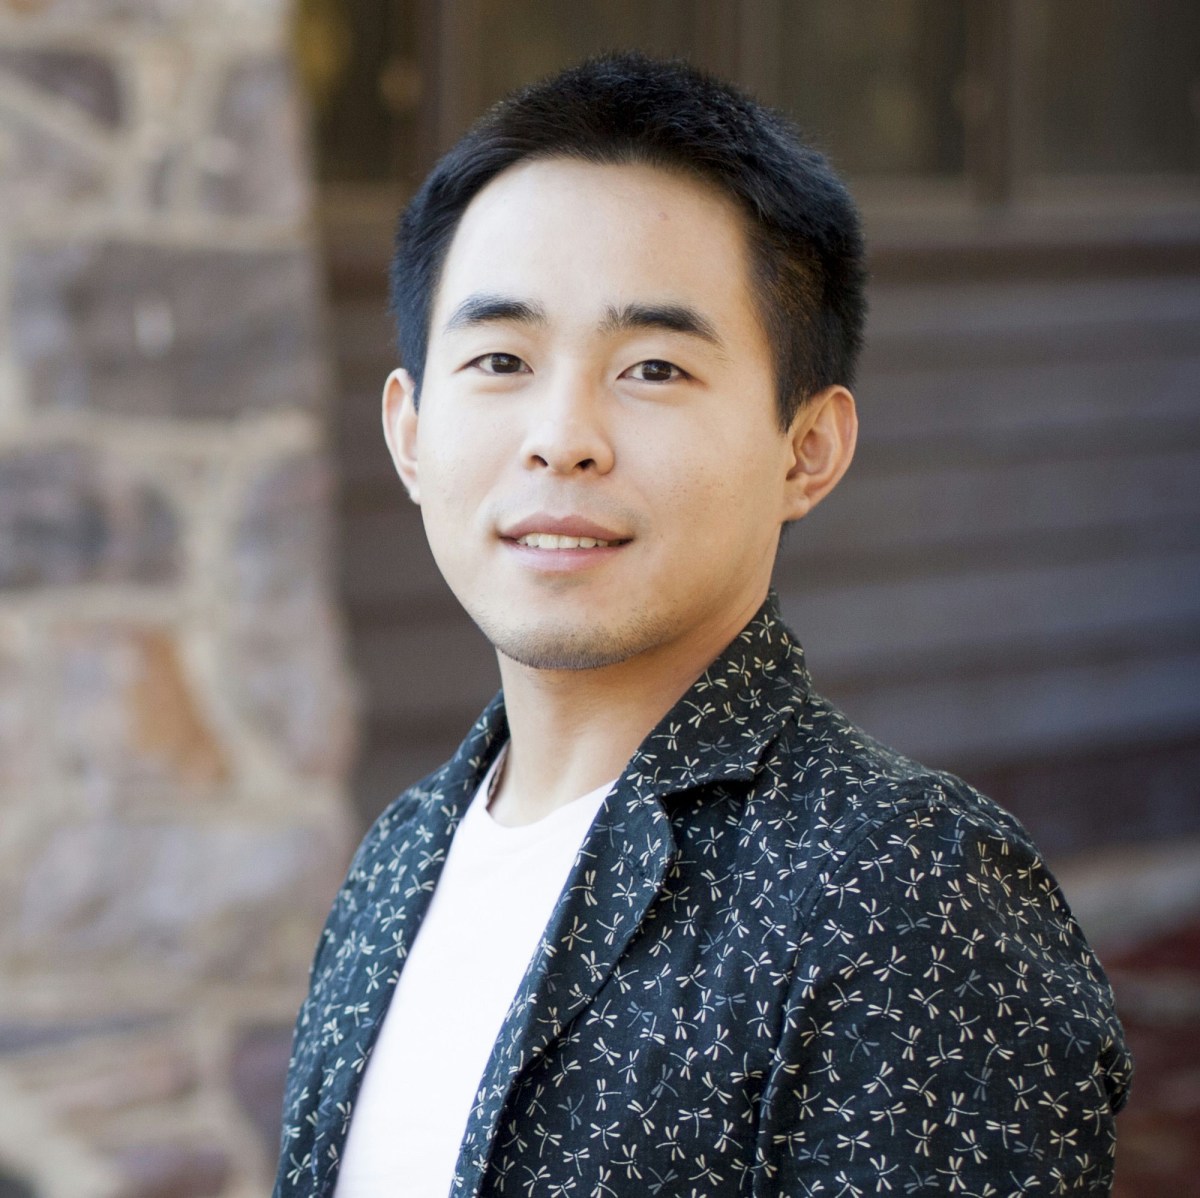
(176, 719)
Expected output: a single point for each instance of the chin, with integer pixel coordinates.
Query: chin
(570, 647)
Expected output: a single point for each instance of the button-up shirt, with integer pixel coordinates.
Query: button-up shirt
(787, 961)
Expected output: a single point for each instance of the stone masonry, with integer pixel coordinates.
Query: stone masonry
(176, 716)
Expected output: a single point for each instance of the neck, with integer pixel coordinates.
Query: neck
(574, 730)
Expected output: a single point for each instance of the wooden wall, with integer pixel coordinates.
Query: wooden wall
(1006, 584)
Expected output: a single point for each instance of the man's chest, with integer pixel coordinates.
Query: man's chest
(642, 1036)
(657, 1080)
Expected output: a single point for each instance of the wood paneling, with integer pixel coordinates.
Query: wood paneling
(1010, 572)
(1008, 578)
(1008, 581)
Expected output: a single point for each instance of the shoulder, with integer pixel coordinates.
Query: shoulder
(883, 851)
(858, 795)
(919, 897)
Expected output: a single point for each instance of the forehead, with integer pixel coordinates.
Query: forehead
(585, 235)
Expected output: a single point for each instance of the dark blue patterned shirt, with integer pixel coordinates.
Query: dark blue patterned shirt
(788, 961)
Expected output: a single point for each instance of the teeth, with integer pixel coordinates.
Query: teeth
(548, 540)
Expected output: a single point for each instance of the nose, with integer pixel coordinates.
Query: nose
(568, 432)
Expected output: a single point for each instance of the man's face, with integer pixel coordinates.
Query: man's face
(597, 453)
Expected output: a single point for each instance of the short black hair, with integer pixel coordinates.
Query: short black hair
(805, 238)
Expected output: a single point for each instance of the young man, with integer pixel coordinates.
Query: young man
(667, 923)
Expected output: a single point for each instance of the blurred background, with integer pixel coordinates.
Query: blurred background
(224, 647)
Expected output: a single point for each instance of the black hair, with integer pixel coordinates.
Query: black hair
(808, 273)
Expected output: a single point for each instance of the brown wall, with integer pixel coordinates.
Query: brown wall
(1006, 583)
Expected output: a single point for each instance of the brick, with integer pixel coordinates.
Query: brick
(252, 162)
(82, 79)
(152, 14)
(24, 1036)
(193, 902)
(172, 1171)
(41, 171)
(287, 659)
(144, 330)
(260, 1059)
(13, 1186)
(127, 714)
(66, 518)
(17, 733)
(93, 1080)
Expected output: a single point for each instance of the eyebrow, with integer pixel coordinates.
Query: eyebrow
(674, 318)
(487, 309)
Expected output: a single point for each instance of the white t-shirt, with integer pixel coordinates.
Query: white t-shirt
(487, 914)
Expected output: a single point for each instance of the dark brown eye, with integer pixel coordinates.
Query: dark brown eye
(500, 363)
(655, 370)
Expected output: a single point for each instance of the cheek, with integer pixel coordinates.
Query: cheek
(724, 475)
(460, 463)
(443, 496)
(452, 464)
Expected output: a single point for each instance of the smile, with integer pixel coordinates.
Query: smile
(549, 540)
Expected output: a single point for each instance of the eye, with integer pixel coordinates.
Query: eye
(655, 370)
(499, 364)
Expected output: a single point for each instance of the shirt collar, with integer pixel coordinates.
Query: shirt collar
(719, 730)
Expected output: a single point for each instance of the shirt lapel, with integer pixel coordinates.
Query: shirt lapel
(719, 731)
(397, 872)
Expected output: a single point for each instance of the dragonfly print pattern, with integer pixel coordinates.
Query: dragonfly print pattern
(788, 961)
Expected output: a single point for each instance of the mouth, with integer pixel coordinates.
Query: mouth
(549, 540)
(559, 544)
(543, 531)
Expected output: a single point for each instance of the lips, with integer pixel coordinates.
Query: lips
(543, 531)
(549, 540)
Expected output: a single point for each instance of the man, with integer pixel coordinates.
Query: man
(667, 923)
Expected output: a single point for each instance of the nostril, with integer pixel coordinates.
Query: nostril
(582, 464)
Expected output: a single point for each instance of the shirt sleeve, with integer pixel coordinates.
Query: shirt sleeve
(948, 1029)
(317, 1023)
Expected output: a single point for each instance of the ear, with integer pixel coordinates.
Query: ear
(822, 439)
(400, 428)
